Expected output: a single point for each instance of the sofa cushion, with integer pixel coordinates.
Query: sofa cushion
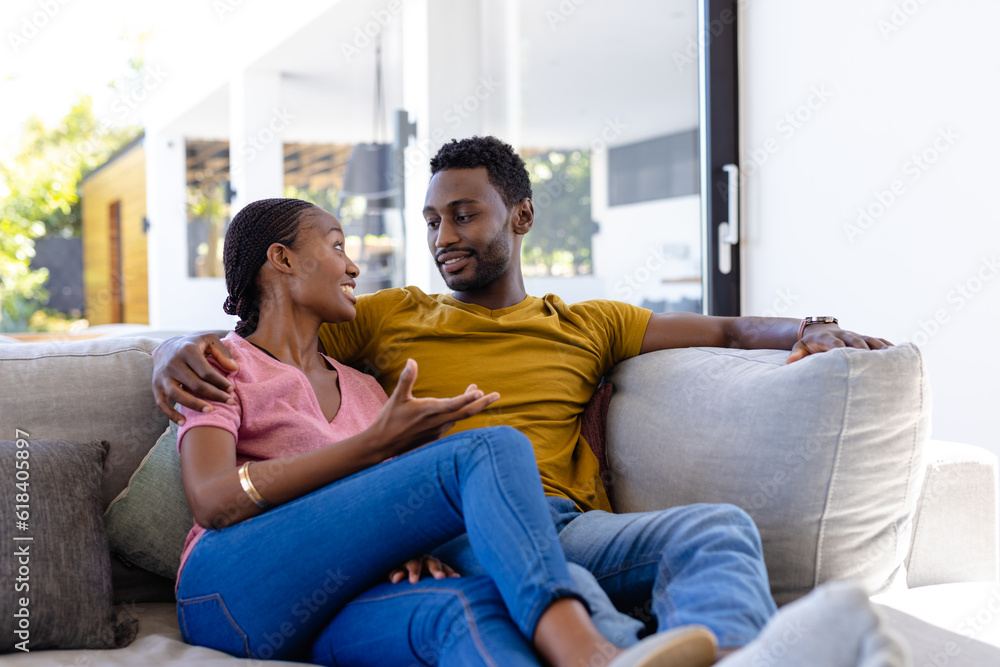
(594, 428)
(57, 553)
(135, 585)
(81, 391)
(148, 522)
(824, 453)
(158, 644)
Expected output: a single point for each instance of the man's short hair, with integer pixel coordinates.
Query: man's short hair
(504, 166)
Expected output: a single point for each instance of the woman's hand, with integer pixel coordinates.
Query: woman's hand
(415, 568)
(406, 422)
(182, 374)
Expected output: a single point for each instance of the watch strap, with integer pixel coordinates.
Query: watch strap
(806, 321)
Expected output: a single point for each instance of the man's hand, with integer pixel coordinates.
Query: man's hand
(823, 337)
(415, 568)
(182, 374)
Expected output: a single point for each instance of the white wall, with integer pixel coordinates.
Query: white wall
(903, 96)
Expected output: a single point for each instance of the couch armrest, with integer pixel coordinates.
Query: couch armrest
(955, 533)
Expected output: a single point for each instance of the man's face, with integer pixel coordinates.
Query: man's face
(468, 229)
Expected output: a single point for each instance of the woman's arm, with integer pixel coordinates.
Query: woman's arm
(212, 485)
(208, 454)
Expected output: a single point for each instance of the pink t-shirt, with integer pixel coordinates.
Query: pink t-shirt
(277, 414)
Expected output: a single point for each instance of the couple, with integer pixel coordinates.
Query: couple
(294, 533)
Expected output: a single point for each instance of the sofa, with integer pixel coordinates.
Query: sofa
(830, 455)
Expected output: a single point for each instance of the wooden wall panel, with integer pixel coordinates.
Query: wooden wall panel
(124, 180)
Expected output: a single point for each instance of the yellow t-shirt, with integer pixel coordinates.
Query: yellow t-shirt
(544, 357)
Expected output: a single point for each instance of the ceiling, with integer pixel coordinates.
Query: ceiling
(607, 60)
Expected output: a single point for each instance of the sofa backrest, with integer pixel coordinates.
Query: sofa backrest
(826, 454)
(82, 391)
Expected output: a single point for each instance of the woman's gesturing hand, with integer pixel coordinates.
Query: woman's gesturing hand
(415, 568)
(406, 422)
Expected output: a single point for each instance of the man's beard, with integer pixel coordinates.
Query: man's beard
(491, 265)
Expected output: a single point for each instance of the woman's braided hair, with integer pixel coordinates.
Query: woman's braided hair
(250, 234)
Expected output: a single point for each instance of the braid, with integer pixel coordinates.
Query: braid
(251, 232)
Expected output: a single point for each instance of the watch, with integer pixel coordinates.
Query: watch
(806, 321)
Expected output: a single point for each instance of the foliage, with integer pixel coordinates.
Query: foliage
(327, 199)
(47, 319)
(208, 209)
(38, 197)
(559, 243)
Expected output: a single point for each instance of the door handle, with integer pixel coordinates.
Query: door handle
(729, 231)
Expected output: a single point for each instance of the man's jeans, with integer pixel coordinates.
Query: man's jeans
(269, 586)
(694, 564)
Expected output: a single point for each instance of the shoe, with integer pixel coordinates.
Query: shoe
(686, 646)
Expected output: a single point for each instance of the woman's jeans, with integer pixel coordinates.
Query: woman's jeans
(268, 586)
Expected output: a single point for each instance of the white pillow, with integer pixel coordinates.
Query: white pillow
(824, 453)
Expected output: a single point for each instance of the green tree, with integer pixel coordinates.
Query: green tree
(38, 197)
(560, 241)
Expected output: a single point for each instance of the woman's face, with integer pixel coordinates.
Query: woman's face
(324, 274)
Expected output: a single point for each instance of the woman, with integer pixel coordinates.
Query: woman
(298, 511)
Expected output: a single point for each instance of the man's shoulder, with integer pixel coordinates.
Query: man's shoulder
(615, 321)
(593, 306)
(392, 296)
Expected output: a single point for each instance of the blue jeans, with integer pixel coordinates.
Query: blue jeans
(269, 586)
(698, 564)
(448, 622)
(455, 622)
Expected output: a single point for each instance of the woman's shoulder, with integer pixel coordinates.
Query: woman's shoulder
(254, 365)
(239, 348)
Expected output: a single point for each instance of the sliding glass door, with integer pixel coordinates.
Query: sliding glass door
(625, 115)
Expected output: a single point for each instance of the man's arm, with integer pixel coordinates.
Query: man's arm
(182, 374)
(673, 330)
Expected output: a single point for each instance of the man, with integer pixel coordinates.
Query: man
(700, 564)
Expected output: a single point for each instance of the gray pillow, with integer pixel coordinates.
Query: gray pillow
(82, 391)
(149, 521)
(823, 453)
(55, 550)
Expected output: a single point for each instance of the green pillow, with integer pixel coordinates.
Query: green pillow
(148, 522)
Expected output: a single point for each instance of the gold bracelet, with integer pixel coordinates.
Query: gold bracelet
(250, 489)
